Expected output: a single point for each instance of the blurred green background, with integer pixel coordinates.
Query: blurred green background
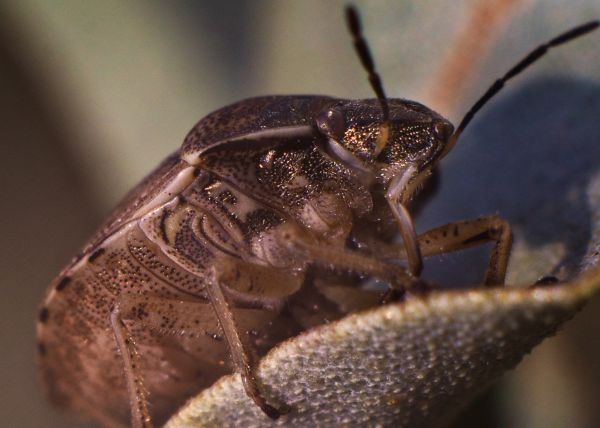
(94, 94)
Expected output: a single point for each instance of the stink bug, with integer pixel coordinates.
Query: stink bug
(223, 249)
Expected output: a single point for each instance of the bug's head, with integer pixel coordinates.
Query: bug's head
(403, 138)
(358, 136)
(383, 138)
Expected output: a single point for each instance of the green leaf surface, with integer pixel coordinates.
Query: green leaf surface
(411, 364)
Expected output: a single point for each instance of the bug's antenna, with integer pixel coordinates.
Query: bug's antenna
(364, 54)
(532, 57)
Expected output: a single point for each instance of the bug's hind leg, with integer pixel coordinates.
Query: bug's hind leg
(239, 354)
(153, 320)
(140, 416)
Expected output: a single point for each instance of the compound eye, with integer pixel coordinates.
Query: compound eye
(443, 130)
(332, 124)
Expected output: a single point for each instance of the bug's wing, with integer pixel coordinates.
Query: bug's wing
(412, 364)
(174, 327)
(142, 193)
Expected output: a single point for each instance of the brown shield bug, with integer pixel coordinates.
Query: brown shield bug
(223, 250)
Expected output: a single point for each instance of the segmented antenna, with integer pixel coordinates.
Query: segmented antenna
(364, 54)
(532, 57)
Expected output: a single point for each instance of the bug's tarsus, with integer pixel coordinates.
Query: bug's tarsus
(366, 59)
(547, 280)
(393, 295)
(528, 60)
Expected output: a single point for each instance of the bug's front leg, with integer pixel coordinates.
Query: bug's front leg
(400, 188)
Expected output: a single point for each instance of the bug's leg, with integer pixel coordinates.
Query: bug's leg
(150, 312)
(239, 355)
(319, 253)
(399, 190)
(465, 234)
(468, 233)
(247, 301)
(409, 236)
(140, 417)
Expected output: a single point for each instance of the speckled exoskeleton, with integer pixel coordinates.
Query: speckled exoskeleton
(265, 222)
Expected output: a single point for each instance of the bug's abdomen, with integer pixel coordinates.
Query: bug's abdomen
(177, 335)
(77, 351)
(179, 355)
(154, 259)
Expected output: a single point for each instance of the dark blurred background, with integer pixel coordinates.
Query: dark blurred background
(93, 95)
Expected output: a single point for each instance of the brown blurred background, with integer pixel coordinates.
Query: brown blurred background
(94, 94)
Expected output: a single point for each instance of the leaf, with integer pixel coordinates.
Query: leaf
(417, 363)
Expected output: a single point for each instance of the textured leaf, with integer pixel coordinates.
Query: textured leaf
(416, 363)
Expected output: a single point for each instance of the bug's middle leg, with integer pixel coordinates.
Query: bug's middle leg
(303, 246)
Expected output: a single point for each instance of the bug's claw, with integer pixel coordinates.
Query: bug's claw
(393, 295)
(275, 413)
(419, 287)
(547, 280)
